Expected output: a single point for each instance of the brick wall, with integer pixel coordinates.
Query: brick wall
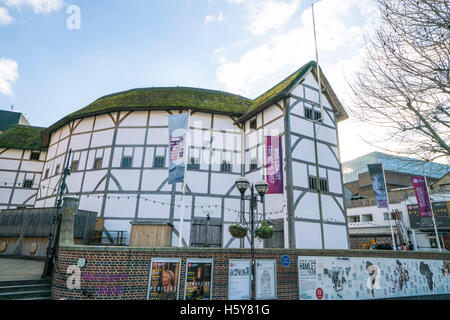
(128, 268)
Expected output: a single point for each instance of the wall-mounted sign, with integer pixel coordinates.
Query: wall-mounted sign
(266, 279)
(239, 279)
(198, 279)
(164, 279)
(285, 261)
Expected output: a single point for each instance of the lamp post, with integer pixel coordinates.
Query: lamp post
(242, 184)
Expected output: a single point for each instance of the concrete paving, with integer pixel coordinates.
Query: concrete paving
(20, 269)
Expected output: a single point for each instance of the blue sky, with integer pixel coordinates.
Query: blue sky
(241, 46)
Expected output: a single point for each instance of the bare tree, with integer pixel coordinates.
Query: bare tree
(404, 84)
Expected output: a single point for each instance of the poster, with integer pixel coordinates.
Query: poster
(440, 211)
(274, 164)
(178, 135)
(164, 279)
(198, 279)
(421, 191)
(378, 184)
(348, 278)
(265, 279)
(239, 285)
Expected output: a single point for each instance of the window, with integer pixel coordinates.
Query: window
(367, 218)
(354, 219)
(127, 162)
(57, 169)
(323, 184)
(194, 164)
(253, 124)
(159, 162)
(253, 164)
(386, 216)
(28, 184)
(312, 115)
(35, 156)
(74, 166)
(312, 183)
(226, 167)
(98, 163)
(47, 172)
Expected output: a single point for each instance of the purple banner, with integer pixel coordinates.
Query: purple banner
(274, 164)
(423, 201)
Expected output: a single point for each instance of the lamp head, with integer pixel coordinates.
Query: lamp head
(242, 184)
(261, 187)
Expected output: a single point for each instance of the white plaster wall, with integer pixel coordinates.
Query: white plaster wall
(150, 210)
(335, 237)
(135, 119)
(130, 136)
(331, 210)
(120, 208)
(307, 208)
(307, 235)
(103, 121)
(300, 174)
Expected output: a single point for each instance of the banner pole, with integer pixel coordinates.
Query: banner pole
(432, 217)
(389, 209)
(183, 189)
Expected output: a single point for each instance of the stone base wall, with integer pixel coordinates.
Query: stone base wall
(107, 269)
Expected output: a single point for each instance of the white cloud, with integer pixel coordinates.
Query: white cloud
(338, 36)
(39, 6)
(268, 15)
(213, 18)
(8, 75)
(5, 18)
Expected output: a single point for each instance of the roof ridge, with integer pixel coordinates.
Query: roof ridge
(172, 88)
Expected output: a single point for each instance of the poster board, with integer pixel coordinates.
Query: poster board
(266, 279)
(354, 278)
(239, 285)
(199, 279)
(441, 211)
(164, 279)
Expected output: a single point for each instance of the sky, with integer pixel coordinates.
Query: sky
(58, 56)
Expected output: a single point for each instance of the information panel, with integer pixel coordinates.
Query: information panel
(239, 279)
(266, 279)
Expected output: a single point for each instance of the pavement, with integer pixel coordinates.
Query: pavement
(20, 269)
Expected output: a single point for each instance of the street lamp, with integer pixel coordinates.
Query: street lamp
(242, 184)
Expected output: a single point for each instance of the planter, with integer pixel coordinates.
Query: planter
(238, 231)
(265, 231)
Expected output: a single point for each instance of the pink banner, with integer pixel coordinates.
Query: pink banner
(274, 164)
(423, 201)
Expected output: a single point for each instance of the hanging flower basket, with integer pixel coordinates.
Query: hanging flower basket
(238, 230)
(264, 231)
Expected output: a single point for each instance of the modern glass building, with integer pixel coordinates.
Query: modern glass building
(351, 169)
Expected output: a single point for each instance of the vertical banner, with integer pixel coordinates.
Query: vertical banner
(198, 279)
(423, 201)
(378, 184)
(239, 279)
(178, 129)
(265, 284)
(164, 279)
(274, 164)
